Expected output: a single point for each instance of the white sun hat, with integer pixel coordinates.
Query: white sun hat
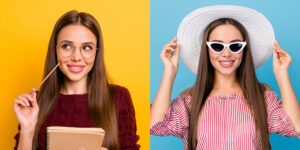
(192, 27)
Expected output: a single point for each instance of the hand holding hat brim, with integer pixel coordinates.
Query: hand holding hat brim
(191, 29)
(281, 60)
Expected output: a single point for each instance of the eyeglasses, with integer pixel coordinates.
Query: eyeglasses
(67, 50)
(234, 47)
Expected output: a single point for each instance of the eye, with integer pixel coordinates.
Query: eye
(87, 48)
(217, 47)
(67, 46)
(236, 46)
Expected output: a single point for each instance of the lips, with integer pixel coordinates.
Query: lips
(75, 68)
(226, 63)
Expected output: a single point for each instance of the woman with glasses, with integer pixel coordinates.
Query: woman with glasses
(227, 108)
(77, 94)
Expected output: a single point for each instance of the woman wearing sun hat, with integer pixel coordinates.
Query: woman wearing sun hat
(227, 108)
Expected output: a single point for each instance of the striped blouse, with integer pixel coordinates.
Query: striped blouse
(225, 122)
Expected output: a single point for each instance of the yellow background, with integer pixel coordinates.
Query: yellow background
(25, 29)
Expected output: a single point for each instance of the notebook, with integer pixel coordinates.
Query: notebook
(73, 138)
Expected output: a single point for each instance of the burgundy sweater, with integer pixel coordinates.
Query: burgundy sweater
(72, 111)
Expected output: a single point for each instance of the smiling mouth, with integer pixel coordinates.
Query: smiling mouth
(75, 69)
(226, 64)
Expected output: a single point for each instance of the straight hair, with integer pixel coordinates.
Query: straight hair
(253, 91)
(100, 92)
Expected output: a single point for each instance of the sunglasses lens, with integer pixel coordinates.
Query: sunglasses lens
(217, 47)
(235, 47)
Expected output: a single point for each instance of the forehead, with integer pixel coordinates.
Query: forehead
(76, 34)
(225, 33)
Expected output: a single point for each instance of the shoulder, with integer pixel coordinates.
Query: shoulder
(182, 102)
(119, 92)
(266, 87)
(121, 96)
(269, 94)
(271, 98)
(188, 91)
(118, 89)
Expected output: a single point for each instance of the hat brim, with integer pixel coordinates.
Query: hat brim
(191, 29)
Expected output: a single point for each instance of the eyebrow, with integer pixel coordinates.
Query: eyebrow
(67, 41)
(236, 40)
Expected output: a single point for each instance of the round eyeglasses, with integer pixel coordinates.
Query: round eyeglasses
(67, 50)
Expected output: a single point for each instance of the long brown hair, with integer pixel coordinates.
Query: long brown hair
(245, 74)
(100, 93)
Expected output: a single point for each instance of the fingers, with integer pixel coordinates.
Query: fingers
(275, 55)
(281, 59)
(280, 52)
(20, 102)
(170, 47)
(168, 50)
(176, 54)
(170, 55)
(25, 98)
(31, 91)
(276, 45)
(174, 40)
(29, 97)
(34, 102)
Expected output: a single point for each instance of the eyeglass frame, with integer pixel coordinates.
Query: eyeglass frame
(58, 46)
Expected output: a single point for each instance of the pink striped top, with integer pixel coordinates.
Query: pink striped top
(225, 122)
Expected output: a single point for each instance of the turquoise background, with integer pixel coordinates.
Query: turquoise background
(166, 16)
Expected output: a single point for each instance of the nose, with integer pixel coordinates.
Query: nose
(226, 52)
(76, 56)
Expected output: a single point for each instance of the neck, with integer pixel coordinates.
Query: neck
(74, 87)
(226, 82)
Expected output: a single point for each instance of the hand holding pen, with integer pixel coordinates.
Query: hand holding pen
(26, 107)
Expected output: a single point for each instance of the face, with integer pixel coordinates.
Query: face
(76, 66)
(225, 62)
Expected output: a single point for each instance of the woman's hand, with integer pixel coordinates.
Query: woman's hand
(27, 110)
(170, 56)
(161, 103)
(281, 61)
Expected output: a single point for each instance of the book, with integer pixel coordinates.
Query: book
(73, 138)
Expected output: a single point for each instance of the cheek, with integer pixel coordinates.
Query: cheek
(60, 59)
(90, 64)
(213, 57)
(63, 62)
(239, 57)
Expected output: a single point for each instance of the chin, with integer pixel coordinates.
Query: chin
(75, 78)
(227, 71)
